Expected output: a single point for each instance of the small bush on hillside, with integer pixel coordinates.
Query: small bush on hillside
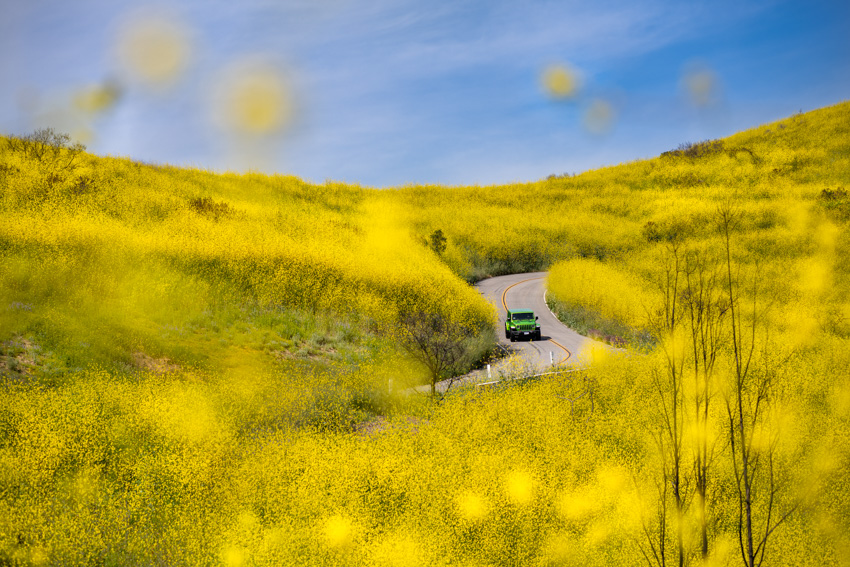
(696, 150)
(833, 195)
(47, 166)
(437, 242)
(53, 150)
(209, 208)
(665, 231)
(837, 202)
(744, 151)
(47, 145)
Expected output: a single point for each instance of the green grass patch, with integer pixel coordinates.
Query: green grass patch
(590, 323)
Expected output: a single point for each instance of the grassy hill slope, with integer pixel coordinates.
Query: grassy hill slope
(185, 356)
(115, 264)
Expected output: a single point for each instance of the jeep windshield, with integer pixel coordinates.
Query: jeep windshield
(522, 317)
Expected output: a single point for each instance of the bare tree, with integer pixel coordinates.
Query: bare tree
(670, 390)
(689, 326)
(707, 310)
(52, 151)
(435, 341)
(706, 313)
(47, 146)
(752, 390)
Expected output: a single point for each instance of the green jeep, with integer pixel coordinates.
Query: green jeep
(521, 323)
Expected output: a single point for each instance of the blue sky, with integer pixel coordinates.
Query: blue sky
(393, 92)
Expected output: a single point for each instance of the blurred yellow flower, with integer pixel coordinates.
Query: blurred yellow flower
(578, 504)
(519, 487)
(97, 98)
(599, 117)
(254, 98)
(338, 531)
(396, 550)
(154, 48)
(701, 85)
(561, 81)
(233, 556)
(471, 506)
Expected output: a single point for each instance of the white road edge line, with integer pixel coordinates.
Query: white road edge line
(545, 291)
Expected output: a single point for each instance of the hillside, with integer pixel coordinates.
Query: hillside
(186, 357)
(116, 264)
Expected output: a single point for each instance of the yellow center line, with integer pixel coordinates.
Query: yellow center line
(505, 305)
(551, 340)
(566, 350)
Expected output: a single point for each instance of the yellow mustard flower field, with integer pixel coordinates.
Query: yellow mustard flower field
(203, 368)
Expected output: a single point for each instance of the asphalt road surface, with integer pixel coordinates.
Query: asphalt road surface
(558, 344)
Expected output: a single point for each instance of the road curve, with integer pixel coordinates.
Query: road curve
(559, 343)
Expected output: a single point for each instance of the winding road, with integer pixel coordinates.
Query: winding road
(559, 344)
